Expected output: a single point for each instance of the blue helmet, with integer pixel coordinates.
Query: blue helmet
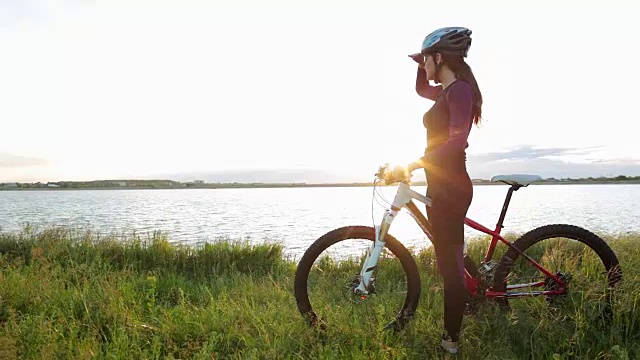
(453, 40)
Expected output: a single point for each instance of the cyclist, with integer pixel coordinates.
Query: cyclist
(457, 105)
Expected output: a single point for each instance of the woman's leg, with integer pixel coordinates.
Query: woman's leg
(448, 245)
(447, 219)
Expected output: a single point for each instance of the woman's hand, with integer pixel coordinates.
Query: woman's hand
(413, 166)
(419, 58)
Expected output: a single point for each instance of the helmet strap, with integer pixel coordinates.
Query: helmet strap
(436, 77)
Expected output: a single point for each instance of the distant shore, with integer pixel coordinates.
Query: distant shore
(170, 184)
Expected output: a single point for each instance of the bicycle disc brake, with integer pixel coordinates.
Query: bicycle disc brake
(354, 295)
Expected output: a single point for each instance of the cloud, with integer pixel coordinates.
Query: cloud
(536, 163)
(617, 161)
(12, 11)
(545, 162)
(12, 161)
(264, 176)
(529, 152)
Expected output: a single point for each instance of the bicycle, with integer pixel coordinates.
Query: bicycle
(491, 280)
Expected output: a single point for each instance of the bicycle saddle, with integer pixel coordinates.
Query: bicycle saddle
(516, 179)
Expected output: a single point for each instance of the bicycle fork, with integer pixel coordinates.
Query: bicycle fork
(402, 198)
(373, 253)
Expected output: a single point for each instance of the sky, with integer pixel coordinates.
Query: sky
(317, 91)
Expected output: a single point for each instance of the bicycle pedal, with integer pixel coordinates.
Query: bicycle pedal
(487, 269)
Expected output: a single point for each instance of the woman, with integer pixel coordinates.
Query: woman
(458, 105)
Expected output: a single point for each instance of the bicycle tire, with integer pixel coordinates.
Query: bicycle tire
(365, 233)
(599, 246)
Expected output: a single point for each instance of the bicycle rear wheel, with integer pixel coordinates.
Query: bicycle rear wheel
(329, 269)
(583, 260)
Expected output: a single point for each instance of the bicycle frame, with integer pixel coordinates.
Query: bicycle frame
(404, 199)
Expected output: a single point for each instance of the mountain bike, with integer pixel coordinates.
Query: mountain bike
(564, 264)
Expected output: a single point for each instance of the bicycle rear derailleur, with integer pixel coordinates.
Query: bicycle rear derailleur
(551, 284)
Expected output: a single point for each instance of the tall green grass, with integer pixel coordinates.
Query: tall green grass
(78, 295)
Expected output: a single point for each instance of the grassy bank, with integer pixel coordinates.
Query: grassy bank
(66, 294)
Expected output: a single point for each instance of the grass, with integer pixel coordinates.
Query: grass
(77, 295)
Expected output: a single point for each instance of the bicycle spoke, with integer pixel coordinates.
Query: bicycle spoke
(331, 281)
(574, 262)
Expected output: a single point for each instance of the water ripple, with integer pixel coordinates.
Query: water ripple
(296, 217)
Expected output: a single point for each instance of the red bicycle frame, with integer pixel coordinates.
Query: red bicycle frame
(473, 282)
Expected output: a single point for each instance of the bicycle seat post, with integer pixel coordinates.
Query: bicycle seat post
(513, 188)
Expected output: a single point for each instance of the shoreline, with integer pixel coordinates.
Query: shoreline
(299, 185)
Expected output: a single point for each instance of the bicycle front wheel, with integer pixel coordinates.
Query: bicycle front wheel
(329, 269)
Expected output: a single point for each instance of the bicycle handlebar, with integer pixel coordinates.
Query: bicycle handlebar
(397, 174)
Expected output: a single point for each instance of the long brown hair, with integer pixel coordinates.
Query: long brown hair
(463, 72)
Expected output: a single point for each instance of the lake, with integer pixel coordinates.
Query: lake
(297, 216)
